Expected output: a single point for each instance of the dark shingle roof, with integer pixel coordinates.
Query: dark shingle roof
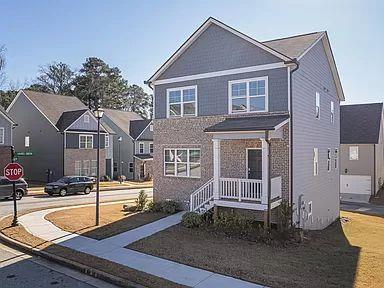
(360, 124)
(144, 156)
(122, 118)
(294, 46)
(67, 118)
(256, 123)
(137, 126)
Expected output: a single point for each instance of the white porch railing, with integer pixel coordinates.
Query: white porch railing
(240, 189)
(201, 196)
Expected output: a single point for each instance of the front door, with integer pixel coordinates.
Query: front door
(254, 164)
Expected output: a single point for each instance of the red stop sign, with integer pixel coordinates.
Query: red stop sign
(13, 171)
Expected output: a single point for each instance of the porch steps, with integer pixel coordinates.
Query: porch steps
(202, 199)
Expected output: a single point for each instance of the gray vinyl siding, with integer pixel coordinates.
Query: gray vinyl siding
(314, 75)
(217, 49)
(4, 123)
(45, 141)
(72, 140)
(126, 149)
(380, 157)
(147, 134)
(212, 93)
(79, 124)
(146, 147)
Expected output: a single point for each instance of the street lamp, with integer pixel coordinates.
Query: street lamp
(98, 114)
(119, 140)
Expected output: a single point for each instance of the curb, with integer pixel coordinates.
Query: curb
(115, 280)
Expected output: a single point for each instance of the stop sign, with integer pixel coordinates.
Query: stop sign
(13, 171)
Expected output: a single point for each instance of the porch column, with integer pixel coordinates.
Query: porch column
(265, 176)
(216, 168)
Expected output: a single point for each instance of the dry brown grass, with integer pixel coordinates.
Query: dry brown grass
(349, 254)
(130, 275)
(113, 220)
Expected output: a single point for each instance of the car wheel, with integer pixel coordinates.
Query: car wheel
(63, 192)
(87, 190)
(19, 195)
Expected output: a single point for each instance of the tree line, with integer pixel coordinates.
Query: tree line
(95, 84)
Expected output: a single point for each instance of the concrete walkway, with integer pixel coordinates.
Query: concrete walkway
(112, 249)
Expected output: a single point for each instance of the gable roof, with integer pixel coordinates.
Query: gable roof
(6, 116)
(122, 118)
(360, 123)
(137, 127)
(67, 118)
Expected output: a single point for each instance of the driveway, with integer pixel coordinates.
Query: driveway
(364, 208)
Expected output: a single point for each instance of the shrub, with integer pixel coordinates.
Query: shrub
(191, 220)
(129, 208)
(155, 206)
(141, 201)
(234, 224)
(170, 207)
(105, 178)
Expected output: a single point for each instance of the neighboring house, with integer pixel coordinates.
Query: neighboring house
(123, 143)
(228, 109)
(361, 151)
(142, 133)
(6, 132)
(60, 135)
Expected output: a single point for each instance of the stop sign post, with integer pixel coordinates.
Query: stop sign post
(13, 172)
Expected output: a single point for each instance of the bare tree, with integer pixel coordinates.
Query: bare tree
(2, 64)
(55, 78)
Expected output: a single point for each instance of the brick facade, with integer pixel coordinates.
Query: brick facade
(188, 133)
(72, 155)
(5, 157)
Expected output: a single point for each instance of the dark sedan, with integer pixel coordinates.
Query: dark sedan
(70, 185)
(6, 188)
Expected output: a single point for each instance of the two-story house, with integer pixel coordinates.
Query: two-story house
(58, 135)
(244, 124)
(6, 131)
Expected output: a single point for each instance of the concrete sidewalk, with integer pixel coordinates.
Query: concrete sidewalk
(112, 249)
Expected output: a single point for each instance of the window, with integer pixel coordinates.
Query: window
(26, 141)
(315, 161)
(151, 127)
(182, 163)
(317, 113)
(106, 141)
(130, 167)
(2, 135)
(86, 141)
(150, 148)
(353, 153)
(141, 148)
(94, 168)
(77, 167)
(336, 158)
(248, 95)
(332, 112)
(329, 159)
(114, 166)
(86, 118)
(86, 168)
(181, 102)
(310, 208)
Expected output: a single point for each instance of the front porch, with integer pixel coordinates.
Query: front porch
(257, 189)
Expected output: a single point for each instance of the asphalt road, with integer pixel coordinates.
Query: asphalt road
(365, 208)
(45, 201)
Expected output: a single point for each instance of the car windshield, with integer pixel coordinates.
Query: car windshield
(64, 180)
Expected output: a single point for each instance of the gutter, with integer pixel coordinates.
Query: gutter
(294, 61)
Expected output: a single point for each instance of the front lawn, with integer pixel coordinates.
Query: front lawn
(113, 220)
(346, 254)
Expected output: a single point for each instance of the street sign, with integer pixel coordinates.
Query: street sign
(13, 171)
(24, 154)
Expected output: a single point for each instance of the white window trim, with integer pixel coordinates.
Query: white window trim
(106, 141)
(86, 118)
(315, 161)
(332, 112)
(141, 144)
(151, 127)
(85, 135)
(27, 141)
(329, 162)
(175, 162)
(317, 104)
(265, 78)
(150, 145)
(2, 132)
(310, 211)
(181, 101)
(349, 156)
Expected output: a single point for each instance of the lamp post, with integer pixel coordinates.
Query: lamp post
(119, 172)
(98, 114)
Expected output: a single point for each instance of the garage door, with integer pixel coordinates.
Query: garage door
(355, 184)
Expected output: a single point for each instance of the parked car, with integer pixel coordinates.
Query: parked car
(70, 185)
(6, 188)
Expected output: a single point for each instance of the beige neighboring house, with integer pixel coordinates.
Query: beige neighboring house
(361, 151)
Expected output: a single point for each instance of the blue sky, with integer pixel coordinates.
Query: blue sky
(138, 36)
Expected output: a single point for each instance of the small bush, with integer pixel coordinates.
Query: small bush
(141, 200)
(155, 206)
(129, 208)
(191, 220)
(105, 178)
(170, 207)
(234, 224)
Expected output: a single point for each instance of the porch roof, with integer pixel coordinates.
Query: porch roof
(248, 124)
(143, 157)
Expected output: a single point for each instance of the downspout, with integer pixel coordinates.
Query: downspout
(374, 170)
(269, 179)
(294, 61)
